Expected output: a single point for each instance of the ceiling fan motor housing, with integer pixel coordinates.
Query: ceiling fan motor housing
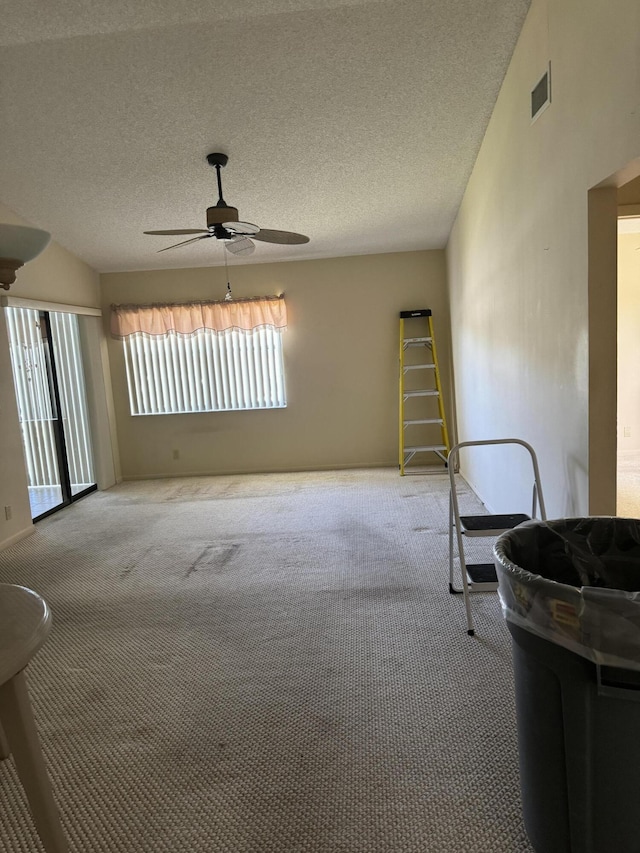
(218, 215)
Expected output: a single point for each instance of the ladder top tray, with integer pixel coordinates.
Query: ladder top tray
(491, 525)
(417, 312)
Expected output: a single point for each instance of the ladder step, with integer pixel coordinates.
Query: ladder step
(483, 576)
(422, 421)
(490, 525)
(424, 447)
(418, 367)
(425, 393)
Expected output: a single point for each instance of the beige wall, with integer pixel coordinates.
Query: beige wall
(518, 255)
(55, 276)
(628, 342)
(341, 361)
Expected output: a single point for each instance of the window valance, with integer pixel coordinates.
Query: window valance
(189, 317)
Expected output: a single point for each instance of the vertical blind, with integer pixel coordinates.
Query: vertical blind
(30, 365)
(35, 410)
(206, 372)
(71, 385)
(203, 356)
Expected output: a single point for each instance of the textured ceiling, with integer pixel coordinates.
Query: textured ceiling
(356, 123)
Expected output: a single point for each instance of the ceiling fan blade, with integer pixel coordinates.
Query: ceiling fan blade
(178, 231)
(240, 245)
(186, 242)
(241, 227)
(288, 237)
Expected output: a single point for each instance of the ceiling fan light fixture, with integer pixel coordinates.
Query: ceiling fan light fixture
(19, 244)
(240, 245)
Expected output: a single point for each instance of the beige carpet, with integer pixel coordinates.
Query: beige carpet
(266, 663)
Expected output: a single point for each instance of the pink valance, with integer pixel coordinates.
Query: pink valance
(189, 317)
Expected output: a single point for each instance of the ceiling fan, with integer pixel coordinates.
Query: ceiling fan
(223, 224)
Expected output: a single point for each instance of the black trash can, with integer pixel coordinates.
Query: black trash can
(570, 593)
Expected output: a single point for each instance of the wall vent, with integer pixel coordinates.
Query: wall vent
(541, 94)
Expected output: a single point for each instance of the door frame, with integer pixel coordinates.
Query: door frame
(603, 338)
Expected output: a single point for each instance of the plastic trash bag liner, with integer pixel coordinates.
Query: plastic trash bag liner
(576, 583)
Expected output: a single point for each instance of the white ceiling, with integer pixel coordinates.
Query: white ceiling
(354, 122)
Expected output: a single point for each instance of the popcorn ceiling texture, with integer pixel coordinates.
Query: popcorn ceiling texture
(356, 123)
(266, 663)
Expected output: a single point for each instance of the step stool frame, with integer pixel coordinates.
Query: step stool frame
(457, 522)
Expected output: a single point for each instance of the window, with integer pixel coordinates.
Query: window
(203, 357)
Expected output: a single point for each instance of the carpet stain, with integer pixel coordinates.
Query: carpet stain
(137, 562)
(215, 557)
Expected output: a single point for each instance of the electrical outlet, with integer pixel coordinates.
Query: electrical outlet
(626, 432)
(7, 513)
(176, 453)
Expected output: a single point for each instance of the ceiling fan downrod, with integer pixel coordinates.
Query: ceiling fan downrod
(219, 161)
(220, 213)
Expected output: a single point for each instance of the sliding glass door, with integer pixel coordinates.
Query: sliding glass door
(49, 380)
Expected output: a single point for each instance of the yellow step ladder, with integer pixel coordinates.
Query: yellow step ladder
(423, 426)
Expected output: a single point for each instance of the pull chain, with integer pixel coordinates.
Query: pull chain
(228, 297)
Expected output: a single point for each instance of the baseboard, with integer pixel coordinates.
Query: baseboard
(238, 471)
(22, 534)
